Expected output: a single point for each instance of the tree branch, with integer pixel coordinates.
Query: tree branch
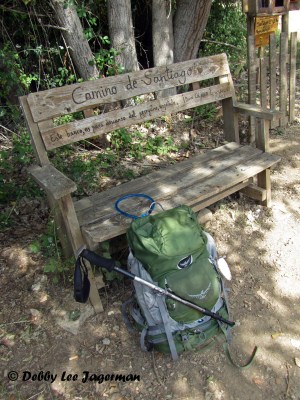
(13, 10)
(56, 27)
(223, 44)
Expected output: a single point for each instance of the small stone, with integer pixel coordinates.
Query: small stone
(74, 315)
(36, 316)
(43, 297)
(106, 341)
(36, 287)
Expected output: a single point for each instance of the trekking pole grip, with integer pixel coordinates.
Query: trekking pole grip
(221, 319)
(103, 262)
(97, 260)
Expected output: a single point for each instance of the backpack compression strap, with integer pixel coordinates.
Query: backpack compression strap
(165, 317)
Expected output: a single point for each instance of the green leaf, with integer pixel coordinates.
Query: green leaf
(35, 247)
(51, 266)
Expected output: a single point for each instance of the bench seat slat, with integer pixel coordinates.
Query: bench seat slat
(169, 180)
(106, 223)
(106, 197)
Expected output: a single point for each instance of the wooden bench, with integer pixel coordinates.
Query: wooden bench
(199, 181)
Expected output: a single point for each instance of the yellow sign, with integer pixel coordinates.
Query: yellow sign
(262, 40)
(264, 26)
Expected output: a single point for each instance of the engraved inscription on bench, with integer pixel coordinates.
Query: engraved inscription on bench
(109, 121)
(68, 99)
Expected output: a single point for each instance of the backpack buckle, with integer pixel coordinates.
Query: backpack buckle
(184, 337)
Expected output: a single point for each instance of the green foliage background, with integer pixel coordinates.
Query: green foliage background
(226, 31)
(34, 57)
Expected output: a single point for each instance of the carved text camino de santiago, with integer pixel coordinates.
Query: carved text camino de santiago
(150, 81)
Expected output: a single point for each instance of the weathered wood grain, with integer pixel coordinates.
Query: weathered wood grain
(171, 195)
(263, 82)
(170, 182)
(273, 63)
(221, 195)
(292, 76)
(283, 78)
(255, 192)
(107, 197)
(230, 118)
(262, 135)
(106, 122)
(53, 181)
(264, 181)
(252, 71)
(77, 97)
(257, 112)
(66, 206)
(36, 139)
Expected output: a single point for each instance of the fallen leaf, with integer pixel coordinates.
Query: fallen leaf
(276, 335)
(258, 381)
(6, 342)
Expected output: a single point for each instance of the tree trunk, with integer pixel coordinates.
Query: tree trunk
(79, 48)
(162, 36)
(122, 34)
(189, 24)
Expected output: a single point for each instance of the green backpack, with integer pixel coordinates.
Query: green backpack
(171, 250)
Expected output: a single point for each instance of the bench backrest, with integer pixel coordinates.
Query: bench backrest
(43, 107)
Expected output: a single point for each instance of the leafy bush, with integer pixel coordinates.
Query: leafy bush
(137, 145)
(48, 246)
(15, 182)
(226, 31)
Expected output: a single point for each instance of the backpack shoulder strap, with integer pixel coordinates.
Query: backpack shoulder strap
(166, 321)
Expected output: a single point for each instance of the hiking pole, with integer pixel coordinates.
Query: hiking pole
(110, 265)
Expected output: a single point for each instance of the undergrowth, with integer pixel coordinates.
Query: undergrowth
(84, 163)
(59, 268)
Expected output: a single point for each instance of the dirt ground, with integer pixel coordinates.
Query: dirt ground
(39, 340)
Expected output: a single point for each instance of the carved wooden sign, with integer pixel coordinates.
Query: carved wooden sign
(89, 127)
(77, 97)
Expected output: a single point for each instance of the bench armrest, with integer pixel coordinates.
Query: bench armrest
(52, 180)
(256, 111)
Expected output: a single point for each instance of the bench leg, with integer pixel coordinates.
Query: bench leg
(60, 228)
(264, 181)
(74, 233)
(94, 294)
(262, 143)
